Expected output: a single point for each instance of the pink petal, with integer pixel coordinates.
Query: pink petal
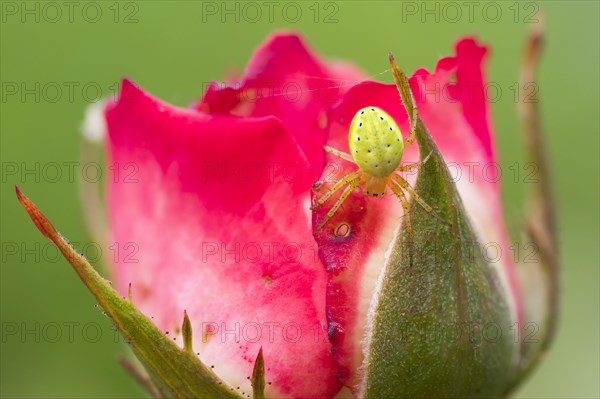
(197, 228)
(460, 124)
(285, 79)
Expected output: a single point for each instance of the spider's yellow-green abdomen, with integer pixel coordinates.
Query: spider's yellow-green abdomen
(375, 142)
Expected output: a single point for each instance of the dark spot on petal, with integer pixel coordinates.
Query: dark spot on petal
(343, 230)
(362, 112)
(358, 138)
(380, 117)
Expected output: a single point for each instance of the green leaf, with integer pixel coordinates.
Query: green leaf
(175, 372)
(440, 324)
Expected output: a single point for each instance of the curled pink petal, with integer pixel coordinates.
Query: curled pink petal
(209, 213)
(284, 78)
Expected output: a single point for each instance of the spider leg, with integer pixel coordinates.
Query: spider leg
(404, 184)
(353, 184)
(415, 165)
(338, 185)
(413, 121)
(400, 194)
(340, 154)
(405, 93)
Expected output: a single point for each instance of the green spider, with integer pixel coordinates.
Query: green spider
(376, 147)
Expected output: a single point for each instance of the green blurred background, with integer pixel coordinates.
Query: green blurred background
(171, 48)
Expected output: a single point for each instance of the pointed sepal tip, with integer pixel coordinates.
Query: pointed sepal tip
(186, 329)
(258, 376)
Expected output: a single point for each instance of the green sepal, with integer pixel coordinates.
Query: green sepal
(440, 324)
(186, 331)
(174, 372)
(540, 276)
(258, 377)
